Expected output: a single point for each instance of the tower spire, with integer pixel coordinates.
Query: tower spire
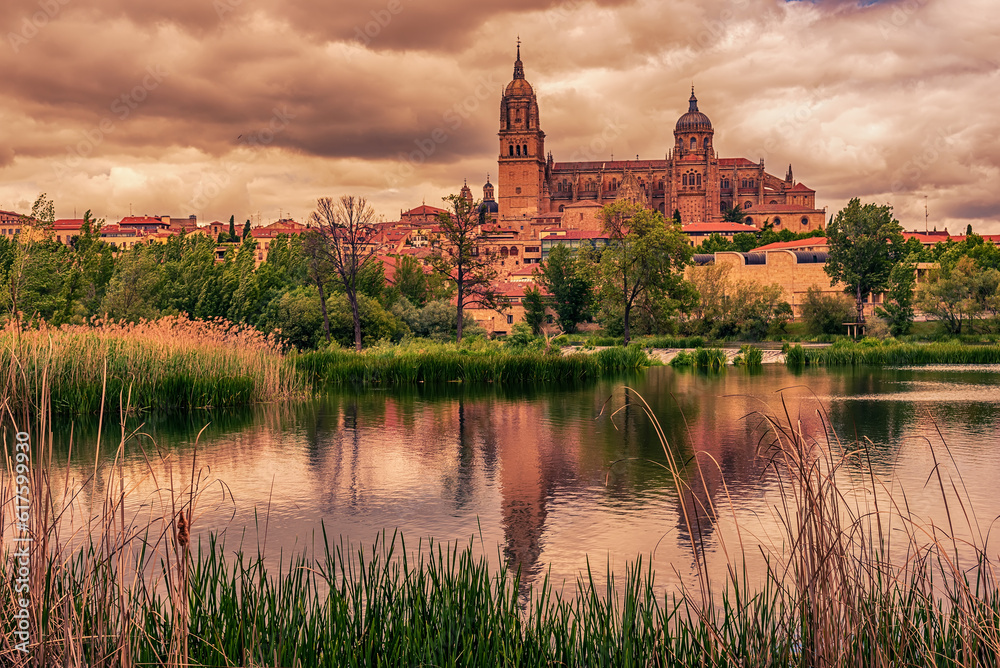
(518, 65)
(692, 101)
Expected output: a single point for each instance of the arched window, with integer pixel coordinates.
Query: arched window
(661, 185)
(513, 251)
(743, 184)
(773, 201)
(519, 150)
(777, 222)
(662, 207)
(694, 143)
(562, 208)
(706, 143)
(749, 220)
(725, 184)
(503, 251)
(525, 152)
(614, 184)
(684, 180)
(699, 179)
(751, 183)
(747, 204)
(511, 147)
(724, 206)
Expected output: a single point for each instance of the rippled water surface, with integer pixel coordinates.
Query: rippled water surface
(548, 478)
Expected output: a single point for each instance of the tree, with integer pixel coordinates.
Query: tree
(569, 277)
(824, 313)
(733, 215)
(346, 238)
(897, 307)
(465, 261)
(644, 261)
(677, 217)
(232, 228)
(34, 231)
(534, 309)
(960, 294)
(729, 309)
(410, 280)
(865, 243)
(246, 229)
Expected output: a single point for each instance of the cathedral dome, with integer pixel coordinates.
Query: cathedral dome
(519, 87)
(693, 120)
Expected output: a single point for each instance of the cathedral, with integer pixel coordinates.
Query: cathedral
(533, 190)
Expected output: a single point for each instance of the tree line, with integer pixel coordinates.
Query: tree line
(328, 284)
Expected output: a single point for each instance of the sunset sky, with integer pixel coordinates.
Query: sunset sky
(247, 107)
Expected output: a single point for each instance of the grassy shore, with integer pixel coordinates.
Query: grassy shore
(891, 353)
(480, 362)
(171, 363)
(139, 593)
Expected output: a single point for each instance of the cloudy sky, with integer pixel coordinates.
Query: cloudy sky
(258, 107)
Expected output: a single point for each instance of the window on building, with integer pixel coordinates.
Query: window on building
(805, 221)
(694, 143)
(525, 151)
(518, 150)
(684, 180)
(777, 221)
(513, 251)
(511, 150)
(749, 220)
(510, 319)
(699, 179)
(723, 206)
(725, 184)
(747, 204)
(751, 182)
(706, 143)
(517, 190)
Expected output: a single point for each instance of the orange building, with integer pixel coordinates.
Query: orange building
(691, 178)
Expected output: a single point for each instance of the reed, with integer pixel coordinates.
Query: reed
(132, 590)
(749, 356)
(427, 362)
(165, 364)
(874, 353)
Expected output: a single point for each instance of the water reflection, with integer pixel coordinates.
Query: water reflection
(552, 476)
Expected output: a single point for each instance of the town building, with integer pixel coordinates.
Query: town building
(691, 178)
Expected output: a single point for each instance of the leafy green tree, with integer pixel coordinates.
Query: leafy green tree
(569, 277)
(232, 229)
(246, 229)
(825, 313)
(21, 273)
(677, 217)
(960, 294)
(534, 309)
(897, 307)
(463, 260)
(643, 263)
(865, 242)
(132, 289)
(733, 215)
(295, 317)
(410, 280)
(91, 265)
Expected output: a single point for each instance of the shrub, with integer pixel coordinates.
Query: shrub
(826, 313)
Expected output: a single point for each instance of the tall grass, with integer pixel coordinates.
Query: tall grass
(170, 363)
(427, 362)
(874, 353)
(136, 592)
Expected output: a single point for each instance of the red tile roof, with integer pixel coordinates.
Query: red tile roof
(424, 209)
(737, 162)
(801, 187)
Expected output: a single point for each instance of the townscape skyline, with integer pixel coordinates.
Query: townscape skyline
(235, 107)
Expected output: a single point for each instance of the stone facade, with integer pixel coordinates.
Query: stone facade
(691, 178)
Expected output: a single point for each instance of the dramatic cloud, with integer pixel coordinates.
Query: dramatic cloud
(258, 107)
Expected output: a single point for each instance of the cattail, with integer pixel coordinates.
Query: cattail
(183, 537)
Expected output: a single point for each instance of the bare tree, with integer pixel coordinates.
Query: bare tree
(463, 258)
(349, 240)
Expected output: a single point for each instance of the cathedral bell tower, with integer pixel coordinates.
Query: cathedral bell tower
(522, 149)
